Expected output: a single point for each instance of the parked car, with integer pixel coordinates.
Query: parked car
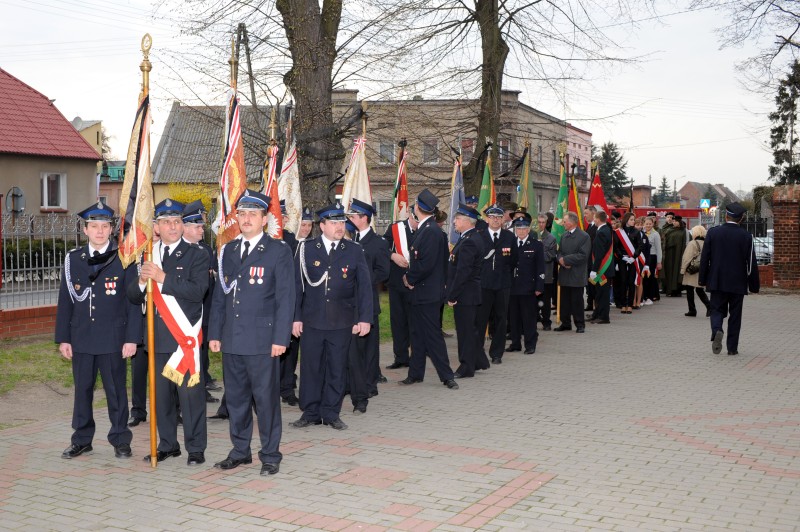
(764, 247)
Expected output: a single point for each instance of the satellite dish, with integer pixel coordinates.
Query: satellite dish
(77, 123)
(15, 200)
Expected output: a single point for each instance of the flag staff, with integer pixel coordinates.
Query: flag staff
(146, 67)
(558, 288)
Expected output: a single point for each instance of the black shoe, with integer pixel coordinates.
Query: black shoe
(213, 386)
(372, 394)
(601, 322)
(513, 349)
(580, 330)
(359, 409)
(716, 342)
(303, 423)
(691, 313)
(163, 455)
(563, 328)
(76, 450)
(530, 351)
(409, 380)
(590, 317)
(270, 469)
(396, 365)
(733, 352)
(290, 400)
(546, 328)
(123, 450)
(218, 416)
(588, 308)
(451, 384)
(382, 379)
(211, 399)
(447, 334)
(134, 421)
(230, 463)
(337, 424)
(497, 360)
(458, 375)
(196, 459)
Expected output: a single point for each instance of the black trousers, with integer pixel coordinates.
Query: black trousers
(617, 285)
(193, 411)
(113, 370)
(590, 295)
(139, 384)
(627, 274)
(372, 355)
(701, 293)
(494, 303)
(522, 314)
(288, 368)
(602, 301)
(323, 372)
(400, 321)
(467, 335)
(723, 304)
(572, 306)
(427, 341)
(204, 361)
(650, 290)
(253, 379)
(357, 371)
(547, 299)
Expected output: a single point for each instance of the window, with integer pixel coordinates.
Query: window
(539, 203)
(540, 156)
(54, 191)
(503, 154)
(104, 199)
(467, 150)
(387, 152)
(385, 210)
(430, 151)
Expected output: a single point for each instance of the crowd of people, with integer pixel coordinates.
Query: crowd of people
(262, 301)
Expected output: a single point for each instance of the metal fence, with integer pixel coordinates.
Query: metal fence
(33, 251)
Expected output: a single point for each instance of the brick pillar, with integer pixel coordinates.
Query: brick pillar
(786, 255)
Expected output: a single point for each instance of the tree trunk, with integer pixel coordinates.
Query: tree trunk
(495, 51)
(312, 42)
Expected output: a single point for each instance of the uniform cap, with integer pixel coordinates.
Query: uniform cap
(427, 201)
(252, 200)
(494, 210)
(467, 211)
(193, 213)
(169, 208)
(471, 200)
(283, 207)
(360, 207)
(524, 220)
(735, 210)
(97, 212)
(333, 212)
(307, 215)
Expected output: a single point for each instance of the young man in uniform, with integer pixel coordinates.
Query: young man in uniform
(527, 285)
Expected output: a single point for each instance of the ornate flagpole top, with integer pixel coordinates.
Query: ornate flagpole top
(234, 63)
(145, 66)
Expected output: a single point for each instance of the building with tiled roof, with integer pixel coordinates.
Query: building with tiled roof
(692, 192)
(41, 153)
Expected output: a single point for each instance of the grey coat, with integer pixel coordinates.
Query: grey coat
(549, 244)
(575, 250)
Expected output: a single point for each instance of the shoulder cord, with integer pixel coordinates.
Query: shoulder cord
(72, 293)
(225, 287)
(750, 256)
(304, 271)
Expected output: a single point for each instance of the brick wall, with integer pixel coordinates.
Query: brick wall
(786, 255)
(27, 321)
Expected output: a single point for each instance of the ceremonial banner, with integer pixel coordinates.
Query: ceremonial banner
(527, 195)
(233, 178)
(136, 199)
(356, 180)
(274, 217)
(400, 203)
(289, 189)
(575, 203)
(596, 195)
(487, 196)
(456, 197)
(561, 206)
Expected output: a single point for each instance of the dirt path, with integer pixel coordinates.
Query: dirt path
(34, 402)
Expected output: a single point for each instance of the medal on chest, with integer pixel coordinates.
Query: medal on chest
(256, 271)
(111, 288)
(344, 272)
(506, 252)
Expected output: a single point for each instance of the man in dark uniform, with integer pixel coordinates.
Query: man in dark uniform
(601, 269)
(550, 249)
(527, 286)
(194, 224)
(97, 329)
(179, 272)
(334, 302)
(498, 264)
(306, 225)
(728, 269)
(251, 322)
(591, 230)
(400, 236)
(425, 278)
(464, 287)
(572, 275)
(472, 202)
(376, 251)
(289, 358)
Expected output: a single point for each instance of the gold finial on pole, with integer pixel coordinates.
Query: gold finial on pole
(527, 143)
(562, 150)
(234, 63)
(146, 66)
(364, 118)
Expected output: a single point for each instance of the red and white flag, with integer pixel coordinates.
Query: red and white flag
(233, 178)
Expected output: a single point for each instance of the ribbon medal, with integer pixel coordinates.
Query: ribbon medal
(253, 274)
(260, 273)
(344, 272)
(506, 252)
(111, 288)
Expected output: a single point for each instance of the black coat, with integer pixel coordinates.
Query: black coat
(344, 298)
(603, 241)
(728, 254)
(105, 319)
(499, 261)
(376, 250)
(186, 279)
(396, 273)
(290, 239)
(464, 270)
(212, 279)
(529, 272)
(427, 271)
(253, 316)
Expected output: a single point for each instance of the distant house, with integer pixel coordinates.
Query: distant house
(692, 192)
(92, 131)
(41, 153)
(111, 179)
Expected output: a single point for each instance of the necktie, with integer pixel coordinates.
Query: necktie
(333, 248)
(166, 254)
(95, 253)
(520, 243)
(494, 238)
(246, 250)
(95, 267)
(358, 237)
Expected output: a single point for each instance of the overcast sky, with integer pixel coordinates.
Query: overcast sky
(681, 113)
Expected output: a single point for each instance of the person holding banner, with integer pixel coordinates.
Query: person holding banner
(630, 247)
(602, 269)
(179, 272)
(399, 236)
(97, 329)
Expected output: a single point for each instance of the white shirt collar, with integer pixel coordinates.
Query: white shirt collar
(253, 241)
(327, 243)
(101, 250)
(524, 240)
(362, 234)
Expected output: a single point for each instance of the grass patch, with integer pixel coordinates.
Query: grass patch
(386, 327)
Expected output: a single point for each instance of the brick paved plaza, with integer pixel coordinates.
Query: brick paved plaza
(631, 426)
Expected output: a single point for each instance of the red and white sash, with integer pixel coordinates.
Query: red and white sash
(400, 239)
(642, 270)
(189, 337)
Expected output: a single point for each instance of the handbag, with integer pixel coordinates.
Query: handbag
(694, 265)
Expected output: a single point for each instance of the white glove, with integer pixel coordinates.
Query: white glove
(627, 259)
(646, 269)
(592, 275)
